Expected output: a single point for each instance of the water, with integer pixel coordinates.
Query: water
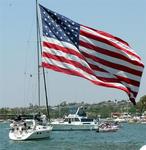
(128, 137)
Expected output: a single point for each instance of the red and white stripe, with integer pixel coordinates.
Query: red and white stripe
(101, 58)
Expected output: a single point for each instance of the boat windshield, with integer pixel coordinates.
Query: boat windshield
(81, 112)
(73, 110)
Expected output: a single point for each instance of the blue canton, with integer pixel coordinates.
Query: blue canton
(59, 27)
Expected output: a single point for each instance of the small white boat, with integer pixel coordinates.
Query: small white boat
(75, 121)
(107, 127)
(28, 130)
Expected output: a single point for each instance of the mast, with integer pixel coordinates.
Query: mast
(39, 51)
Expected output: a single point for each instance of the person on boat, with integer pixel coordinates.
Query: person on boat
(18, 118)
(37, 117)
(44, 119)
(24, 126)
(69, 121)
(13, 125)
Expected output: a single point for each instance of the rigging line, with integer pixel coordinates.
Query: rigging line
(28, 84)
(26, 62)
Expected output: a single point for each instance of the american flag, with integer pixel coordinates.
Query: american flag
(97, 56)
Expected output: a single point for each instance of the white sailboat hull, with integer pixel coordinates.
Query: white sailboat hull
(40, 132)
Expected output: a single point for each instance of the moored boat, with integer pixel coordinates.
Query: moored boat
(29, 130)
(108, 127)
(75, 121)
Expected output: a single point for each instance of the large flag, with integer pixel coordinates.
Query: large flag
(100, 57)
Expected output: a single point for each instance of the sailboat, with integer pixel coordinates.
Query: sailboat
(38, 127)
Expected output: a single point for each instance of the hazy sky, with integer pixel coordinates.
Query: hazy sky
(123, 18)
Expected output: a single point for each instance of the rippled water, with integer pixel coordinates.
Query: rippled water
(129, 137)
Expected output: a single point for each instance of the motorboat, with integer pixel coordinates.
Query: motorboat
(108, 127)
(75, 121)
(29, 129)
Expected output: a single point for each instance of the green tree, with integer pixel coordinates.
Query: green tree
(141, 105)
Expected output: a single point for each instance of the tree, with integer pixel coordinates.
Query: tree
(4, 111)
(142, 104)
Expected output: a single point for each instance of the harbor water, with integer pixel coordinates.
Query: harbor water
(128, 137)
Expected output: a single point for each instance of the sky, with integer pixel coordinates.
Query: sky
(125, 19)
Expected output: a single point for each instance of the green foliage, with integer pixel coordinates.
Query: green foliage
(102, 109)
(4, 111)
(132, 110)
(141, 105)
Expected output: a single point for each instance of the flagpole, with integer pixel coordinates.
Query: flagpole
(44, 77)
